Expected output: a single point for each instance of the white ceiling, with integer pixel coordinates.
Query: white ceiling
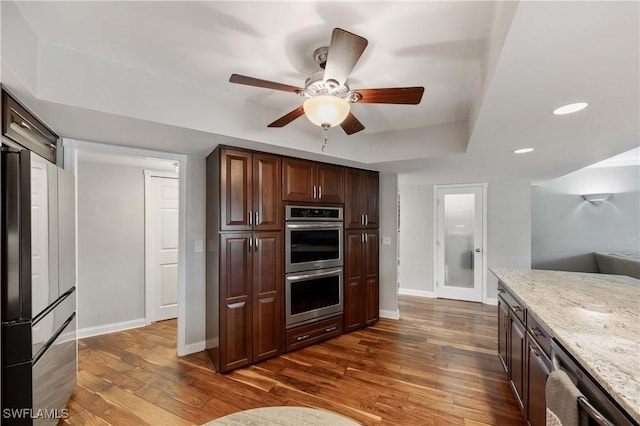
(155, 75)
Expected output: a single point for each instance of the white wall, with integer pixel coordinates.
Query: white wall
(508, 228)
(567, 230)
(110, 245)
(508, 233)
(388, 253)
(416, 240)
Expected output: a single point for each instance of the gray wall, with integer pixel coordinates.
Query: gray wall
(567, 230)
(110, 244)
(508, 228)
(388, 253)
(508, 233)
(416, 239)
(195, 194)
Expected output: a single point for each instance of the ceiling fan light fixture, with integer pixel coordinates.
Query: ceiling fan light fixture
(326, 110)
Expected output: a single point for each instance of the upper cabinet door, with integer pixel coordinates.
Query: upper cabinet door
(353, 213)
(361, 199)
(236, 192)
(330, 183)
(298, 180)
(267, 204)
(369, 202)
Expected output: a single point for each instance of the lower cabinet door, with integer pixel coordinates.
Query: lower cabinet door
(538, 367)
(268, 283)
(517, 364)
(235, 300)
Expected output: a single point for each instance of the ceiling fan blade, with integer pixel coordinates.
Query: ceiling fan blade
(250, 81)
(395, 95)
(344, 52)
(288, 118)
(351, 125)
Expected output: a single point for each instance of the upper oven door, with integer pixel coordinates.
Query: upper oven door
(313, 245)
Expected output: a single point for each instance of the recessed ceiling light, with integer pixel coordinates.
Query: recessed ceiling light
(523, 150)
(571, 108)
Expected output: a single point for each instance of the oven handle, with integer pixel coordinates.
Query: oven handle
(313, 225)
(314, 275)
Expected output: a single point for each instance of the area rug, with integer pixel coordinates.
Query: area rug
(283, 416)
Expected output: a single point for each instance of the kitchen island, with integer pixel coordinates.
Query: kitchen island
(595, 317)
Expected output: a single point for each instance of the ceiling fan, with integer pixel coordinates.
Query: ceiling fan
(328, 95)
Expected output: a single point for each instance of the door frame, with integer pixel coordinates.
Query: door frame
(148, 219)
(483, 273)
(70, 163)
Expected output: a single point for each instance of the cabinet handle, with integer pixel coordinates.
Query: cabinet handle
(24, 125)
(535, 351)
(536, 332)
(330, 329)
(366, 219)
(314, 191)
(361, 219)
(320, 191)
(366, 237)
(517, 308)
(500, 290)
(250, 215)
(250, 243)
(255, 245)
(257, 218)
(362, 238)
(306, 336)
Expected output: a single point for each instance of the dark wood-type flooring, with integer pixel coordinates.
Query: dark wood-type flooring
(437, 365)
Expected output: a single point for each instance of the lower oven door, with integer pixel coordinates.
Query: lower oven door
(313, 295)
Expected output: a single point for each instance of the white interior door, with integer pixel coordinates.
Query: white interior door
(460, 242)
(162, 249)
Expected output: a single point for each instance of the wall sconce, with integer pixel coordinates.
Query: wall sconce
(596, 199)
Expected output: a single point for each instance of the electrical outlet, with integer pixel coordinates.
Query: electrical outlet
(386, 241)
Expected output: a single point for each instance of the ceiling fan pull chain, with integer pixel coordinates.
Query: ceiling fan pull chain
(324, 130)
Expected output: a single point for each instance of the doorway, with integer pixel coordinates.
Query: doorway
(161, 245)
(460, 246)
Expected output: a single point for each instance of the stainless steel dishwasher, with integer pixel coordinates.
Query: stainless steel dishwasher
(596, 407)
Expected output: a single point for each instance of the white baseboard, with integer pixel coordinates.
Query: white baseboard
(389, 314)
(418, 293)
(110, 328)
(192, 348)
(490, 301)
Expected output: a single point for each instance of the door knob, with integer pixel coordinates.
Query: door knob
(477, 250)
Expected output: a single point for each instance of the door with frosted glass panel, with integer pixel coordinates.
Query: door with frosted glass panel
(459, 243)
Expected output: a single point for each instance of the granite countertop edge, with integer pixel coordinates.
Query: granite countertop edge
(624, 391)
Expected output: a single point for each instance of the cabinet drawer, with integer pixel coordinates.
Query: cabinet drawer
(539, 333)
(514, 305)
(307, 334)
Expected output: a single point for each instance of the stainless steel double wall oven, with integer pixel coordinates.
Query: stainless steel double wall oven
(313, 263)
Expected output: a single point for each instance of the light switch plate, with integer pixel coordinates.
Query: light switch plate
(386, 241)
(198, 246)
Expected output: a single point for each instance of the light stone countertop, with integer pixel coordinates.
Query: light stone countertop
(595, 317)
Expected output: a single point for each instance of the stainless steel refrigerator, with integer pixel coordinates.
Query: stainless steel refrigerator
(38, 309)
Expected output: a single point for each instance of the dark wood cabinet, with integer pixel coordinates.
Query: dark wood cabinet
(235, 298)
(268, 283)
(245, 280)
(306, 335)
(538, 368)
(249, 191)
(361, 279)
(361, 199)
(517, 356)
(524, 347)
(308, 181)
